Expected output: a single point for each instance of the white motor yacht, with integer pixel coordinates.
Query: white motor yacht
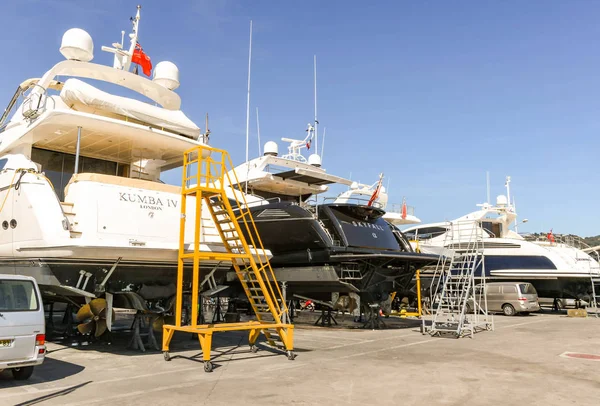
(557, 268)
(83, 208)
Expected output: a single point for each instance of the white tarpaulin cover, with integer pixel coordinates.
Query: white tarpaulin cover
(82, 96)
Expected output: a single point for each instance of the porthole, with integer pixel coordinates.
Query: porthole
(5, 225)
(13, 223)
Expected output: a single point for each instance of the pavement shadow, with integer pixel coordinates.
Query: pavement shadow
(53, 395)
(51, 370)
(348, 322)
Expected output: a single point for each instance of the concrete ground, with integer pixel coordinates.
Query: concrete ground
(521, 362)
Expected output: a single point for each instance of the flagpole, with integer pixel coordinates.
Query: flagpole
(248, 107)
(316, 121)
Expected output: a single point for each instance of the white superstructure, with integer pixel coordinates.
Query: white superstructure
(80, 168)
(289, 177)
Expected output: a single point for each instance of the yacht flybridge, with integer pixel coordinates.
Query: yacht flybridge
(556, 268)
(331, 247)
(82, 201)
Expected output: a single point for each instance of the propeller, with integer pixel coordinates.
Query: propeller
(160, 315)
(166, 316)
(159, 321)
(92, 317)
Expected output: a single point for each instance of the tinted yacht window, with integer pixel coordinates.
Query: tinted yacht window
(59, 167)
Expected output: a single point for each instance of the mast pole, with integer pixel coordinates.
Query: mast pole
(316, 121)
(248, 105)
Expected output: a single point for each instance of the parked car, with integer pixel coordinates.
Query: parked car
(509, 298)
(22, 328)
(563, 303)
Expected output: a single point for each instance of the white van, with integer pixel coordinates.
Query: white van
(22, 328)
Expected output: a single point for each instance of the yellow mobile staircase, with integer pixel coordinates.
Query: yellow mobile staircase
(205, 177)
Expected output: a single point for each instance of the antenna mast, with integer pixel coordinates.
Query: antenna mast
(122, 57)
(248, 102)
(316, 121)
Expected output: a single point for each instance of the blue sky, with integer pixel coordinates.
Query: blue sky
(431, 93)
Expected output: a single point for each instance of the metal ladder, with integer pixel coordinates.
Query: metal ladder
(458, 285)
(595, 281)
(207, 172)
(595, 294)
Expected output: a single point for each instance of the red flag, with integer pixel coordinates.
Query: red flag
(376, 192)
(140, 58)
(550, 236)
(404, 209)
(308, 144)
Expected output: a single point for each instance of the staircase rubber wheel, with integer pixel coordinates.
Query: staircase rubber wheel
(291, 355)
(254, 349)
(167, 356)
(208, 366)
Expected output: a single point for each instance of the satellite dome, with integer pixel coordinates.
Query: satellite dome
(314, 160)
(271, 148)
(354, 185)
(77, 45)
(501, 200)
(166, 74)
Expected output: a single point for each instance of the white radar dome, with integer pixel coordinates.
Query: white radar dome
(314, 160)
(271, 148)
(501, 200)
(166, 74)
(354, 185)
(77, 45)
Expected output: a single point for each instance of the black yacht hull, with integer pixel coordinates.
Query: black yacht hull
(336, 248)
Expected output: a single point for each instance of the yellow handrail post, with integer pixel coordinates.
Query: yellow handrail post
(419, 304)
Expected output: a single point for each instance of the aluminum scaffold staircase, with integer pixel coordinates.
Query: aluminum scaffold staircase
(458, 293)
(595, 280)
(205, 178)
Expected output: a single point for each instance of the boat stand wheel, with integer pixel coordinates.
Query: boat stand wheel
(254, 348)
(208, 366)
(167, 356)
(291, 355)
